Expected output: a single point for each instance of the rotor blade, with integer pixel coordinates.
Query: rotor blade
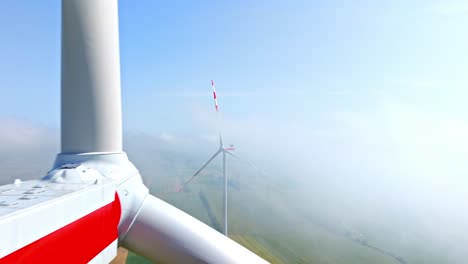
(165, 234)
(248, 163)
(220, 140)
(214, 96)
(196, 173)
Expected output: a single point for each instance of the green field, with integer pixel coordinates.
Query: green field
(275, 233)
(274, 222)
(285, 220)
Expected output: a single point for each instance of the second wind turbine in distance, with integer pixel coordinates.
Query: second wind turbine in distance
(225, 151)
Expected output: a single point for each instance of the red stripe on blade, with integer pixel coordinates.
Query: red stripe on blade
(75, 243)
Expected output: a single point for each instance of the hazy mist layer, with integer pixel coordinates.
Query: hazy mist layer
(396, 173)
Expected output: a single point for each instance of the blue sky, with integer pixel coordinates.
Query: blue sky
(362, 92)
(369, 95)
(268, 58)
(271, 60)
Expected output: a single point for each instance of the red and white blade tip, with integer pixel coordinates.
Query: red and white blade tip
(214, 96)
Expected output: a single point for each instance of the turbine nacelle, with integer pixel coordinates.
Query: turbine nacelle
(94, 199)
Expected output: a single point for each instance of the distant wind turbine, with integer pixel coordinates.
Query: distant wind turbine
(93, 199)
(225, 151)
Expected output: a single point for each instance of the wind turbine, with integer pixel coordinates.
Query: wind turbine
(93, 199)
(224, 151)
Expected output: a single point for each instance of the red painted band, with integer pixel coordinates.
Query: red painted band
(76, 243)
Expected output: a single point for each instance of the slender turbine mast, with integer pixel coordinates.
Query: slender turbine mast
(92, 136)
(225, 151)
(93, 199)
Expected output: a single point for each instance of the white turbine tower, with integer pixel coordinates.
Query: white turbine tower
(93, 198)
(225, 151)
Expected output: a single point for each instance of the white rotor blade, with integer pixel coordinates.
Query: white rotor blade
(220, 140)
(165, 234)
(215, 97)
(91, 128)
(248, 163)
(206, 164)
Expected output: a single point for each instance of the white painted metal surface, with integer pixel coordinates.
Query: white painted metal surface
(92, 166)
(115, 166)
(91, 104)
(107, 255)
(126, 177)
(34, 209)
(165, 234)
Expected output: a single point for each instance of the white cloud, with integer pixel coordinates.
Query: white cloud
(27, 150)
(398, 143)
(166, 136)
(18, 133)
